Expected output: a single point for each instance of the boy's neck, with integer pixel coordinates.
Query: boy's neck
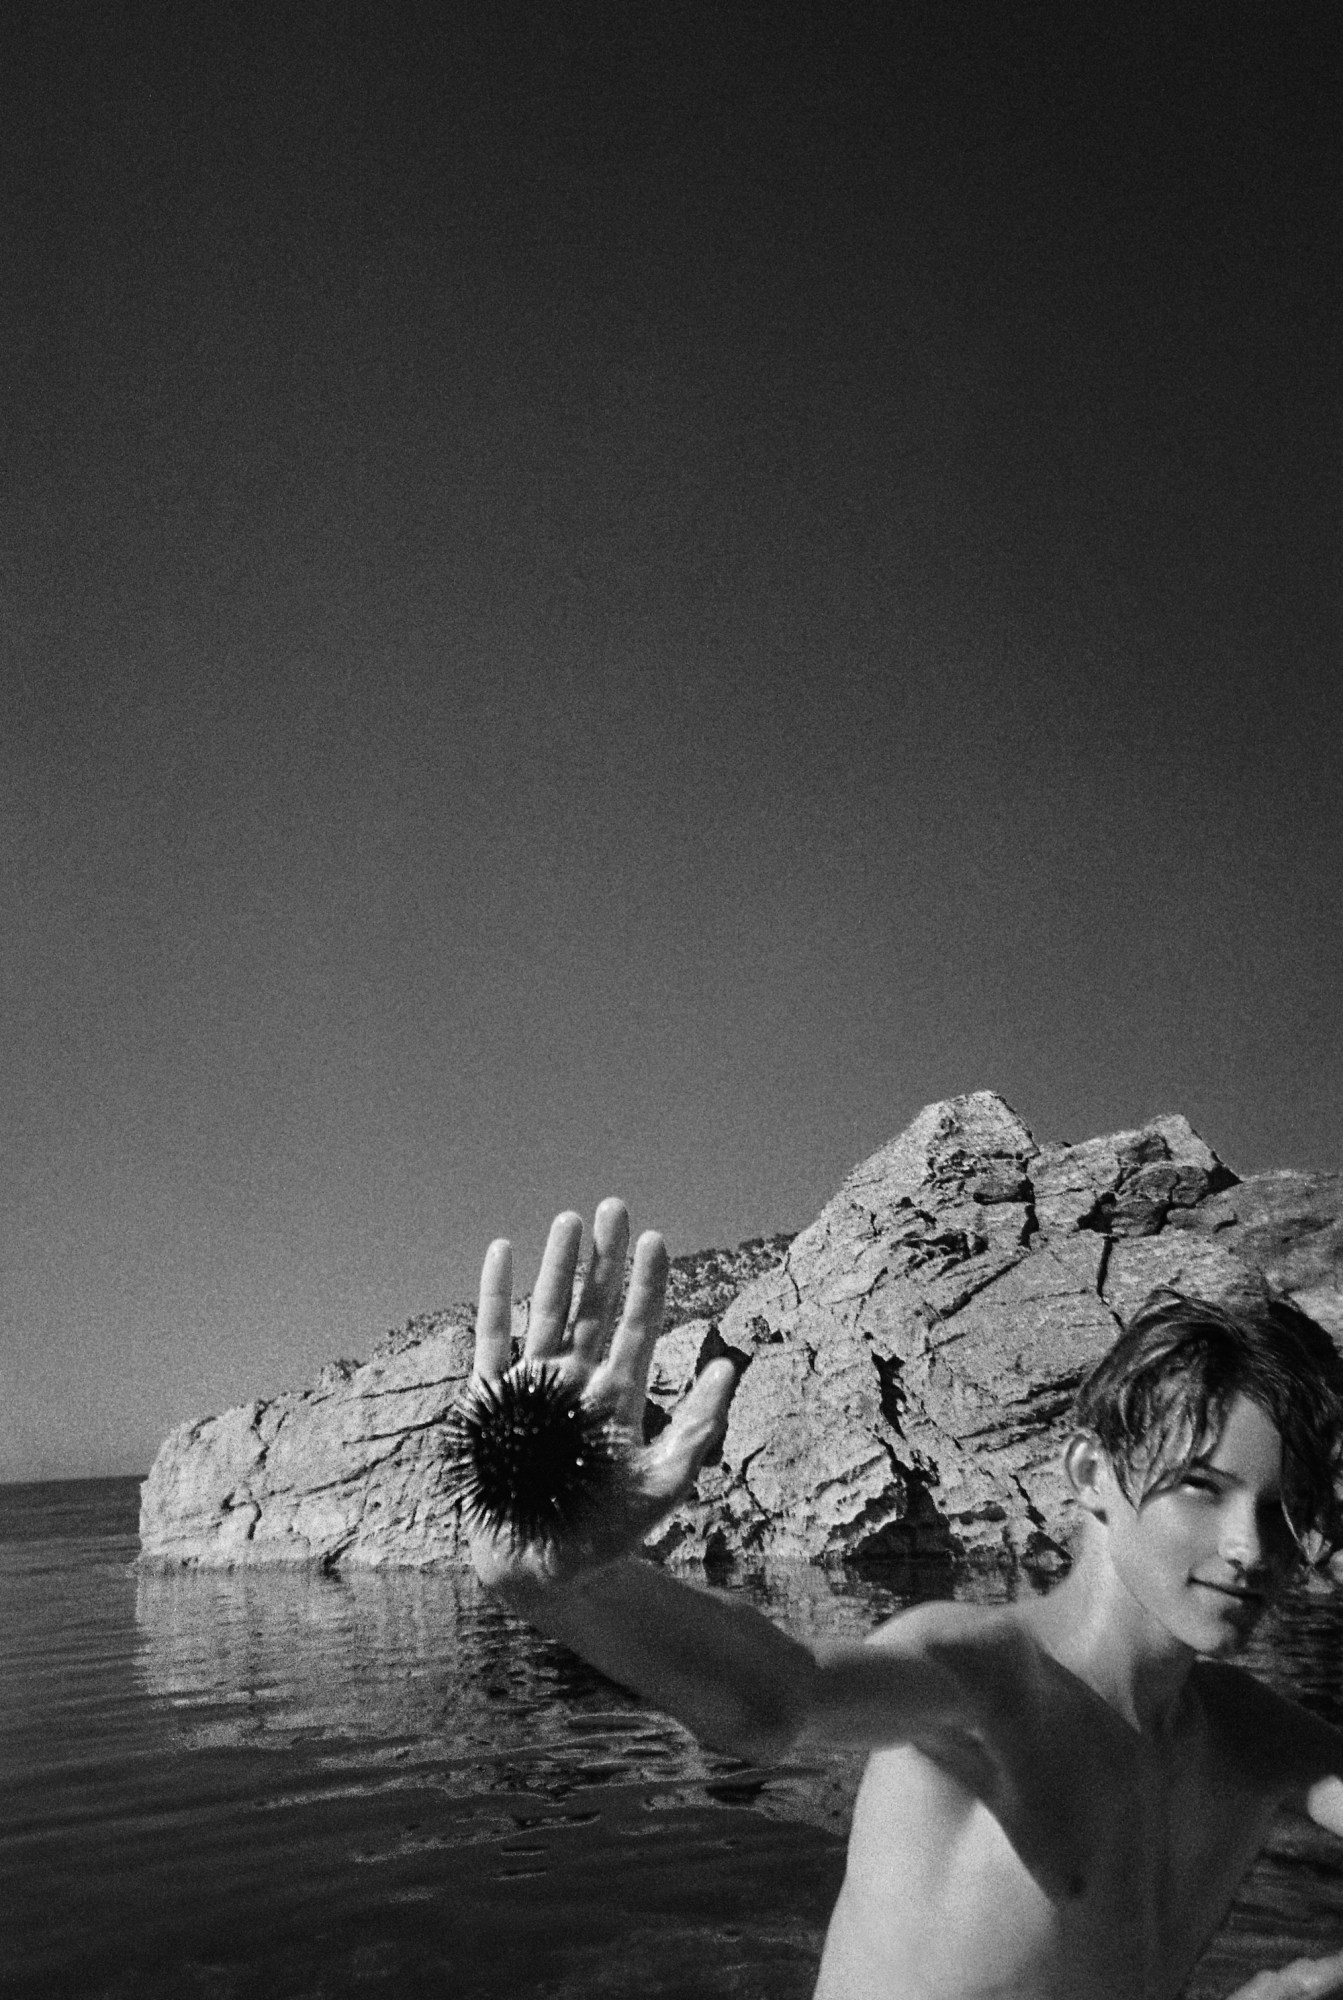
(1092, 1626)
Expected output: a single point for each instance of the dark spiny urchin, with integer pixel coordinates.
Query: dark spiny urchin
(528, 1457)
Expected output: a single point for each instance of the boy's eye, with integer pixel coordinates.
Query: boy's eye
(1198, 1483)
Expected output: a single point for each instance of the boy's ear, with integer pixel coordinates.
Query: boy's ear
(1089, 1473)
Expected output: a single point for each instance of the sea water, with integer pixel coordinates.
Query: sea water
(286, 1784)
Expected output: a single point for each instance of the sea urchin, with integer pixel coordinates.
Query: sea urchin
(528, 1457)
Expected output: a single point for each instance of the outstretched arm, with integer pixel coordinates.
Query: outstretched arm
(725, 1671)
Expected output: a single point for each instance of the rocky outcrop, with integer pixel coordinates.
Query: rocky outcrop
(351, 1469)
(909, 1361)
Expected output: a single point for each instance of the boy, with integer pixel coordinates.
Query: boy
(1063, 1793)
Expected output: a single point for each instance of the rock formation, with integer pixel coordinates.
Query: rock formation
(909, 1361)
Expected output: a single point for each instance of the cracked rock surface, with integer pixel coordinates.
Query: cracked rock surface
(909, 1361)
(352, 1468)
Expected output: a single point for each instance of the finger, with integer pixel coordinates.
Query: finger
(549, 1313)
(599, 1301)
(1319, 1975)
(494, 1315)
(640, 1324)
(1303, 1979)
(695, 1430)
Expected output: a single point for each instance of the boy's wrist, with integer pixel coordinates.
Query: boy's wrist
(528, 1591)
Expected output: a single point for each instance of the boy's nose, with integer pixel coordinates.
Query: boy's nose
(1255, 1540)
(1242, 1539)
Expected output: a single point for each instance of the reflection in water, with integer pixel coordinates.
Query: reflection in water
(273, 1654)
(277, 1783)
(285, 1784)
(383, 1665)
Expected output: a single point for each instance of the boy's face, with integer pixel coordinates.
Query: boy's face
(1206, 1558)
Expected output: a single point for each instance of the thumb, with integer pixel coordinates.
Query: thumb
(697, 1427)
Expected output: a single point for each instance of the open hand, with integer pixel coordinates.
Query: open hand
(1303, 1979)
(608, 1364)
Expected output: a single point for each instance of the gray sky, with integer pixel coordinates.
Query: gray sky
(601, 599)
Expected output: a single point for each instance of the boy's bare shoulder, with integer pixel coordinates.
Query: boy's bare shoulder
(946, 1620)
(988, 1644)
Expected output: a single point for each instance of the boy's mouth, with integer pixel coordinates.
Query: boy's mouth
(1240, 1593)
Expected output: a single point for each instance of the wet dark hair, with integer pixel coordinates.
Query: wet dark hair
(1158, 1400)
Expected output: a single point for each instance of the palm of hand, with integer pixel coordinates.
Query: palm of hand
(603, 1355)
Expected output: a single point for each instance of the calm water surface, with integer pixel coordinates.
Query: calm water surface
(290, 1785)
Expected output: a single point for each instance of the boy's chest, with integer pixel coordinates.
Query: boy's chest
(1104, 1868)
(1200, 1822)
(1168, 1828)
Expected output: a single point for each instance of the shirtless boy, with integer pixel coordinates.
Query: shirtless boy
(1063, 1793)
